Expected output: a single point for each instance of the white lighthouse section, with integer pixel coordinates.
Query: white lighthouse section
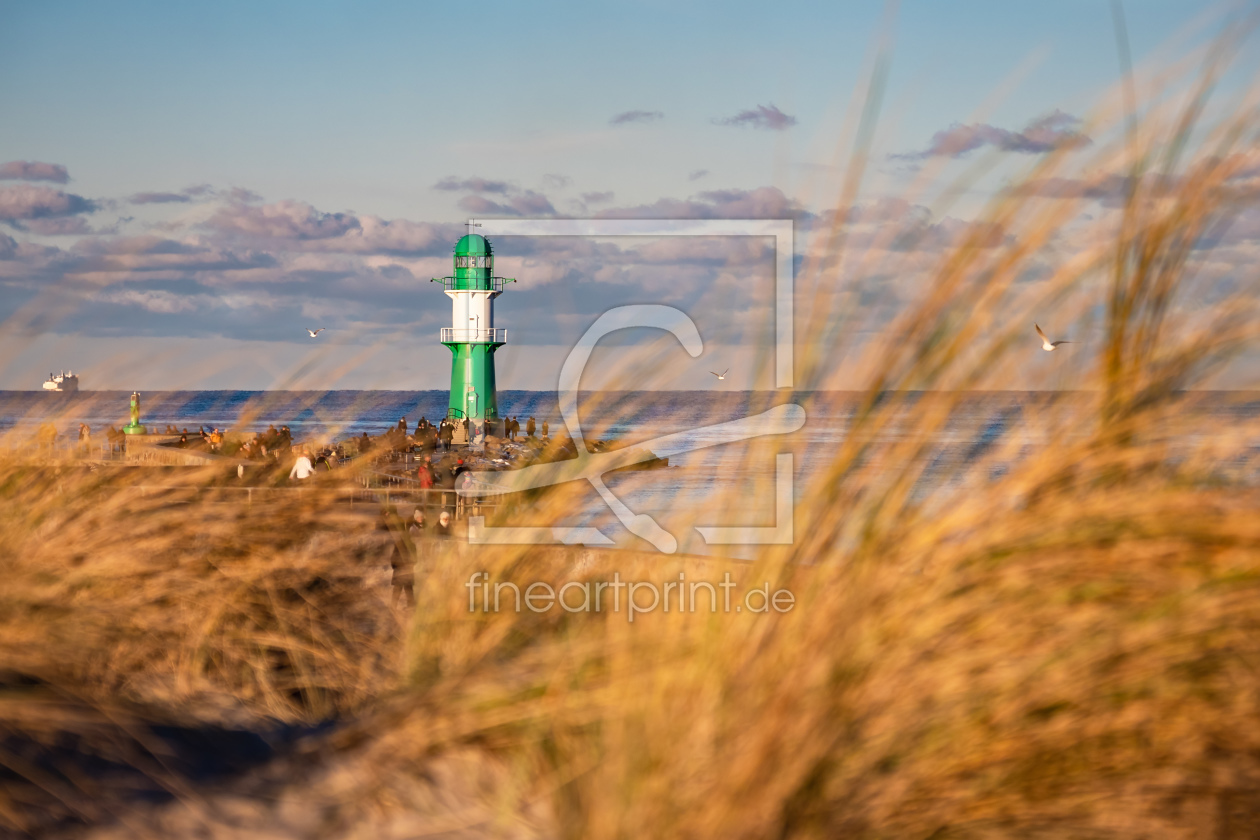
(472, 317)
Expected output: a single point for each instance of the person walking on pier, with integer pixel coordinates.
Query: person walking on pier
(442, 530)
(464, 499)
(544, 430)
(444, 479)
(424, 474)
(422, 544)
(530, 427)
(400, 555)
(426, 440)
(302, 468)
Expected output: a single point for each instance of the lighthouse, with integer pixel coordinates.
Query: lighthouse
(472, 337)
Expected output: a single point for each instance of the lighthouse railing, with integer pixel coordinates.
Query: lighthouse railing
(472, 284)
(464, 336)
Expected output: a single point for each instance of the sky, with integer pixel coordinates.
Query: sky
(185, 188)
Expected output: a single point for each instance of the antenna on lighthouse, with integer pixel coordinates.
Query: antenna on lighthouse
(471, 224)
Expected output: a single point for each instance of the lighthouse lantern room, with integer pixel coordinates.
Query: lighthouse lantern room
(472, 337)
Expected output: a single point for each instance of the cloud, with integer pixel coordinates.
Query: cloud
(305, 229)
(763, 116)
(282, 220)
(760, 203)
(888, 210)
(528, 203)
(251, 268)
(159, 198)
(60, 226)
(156, 300)
(142, 257)
(895, 225)
(557, 181)
(375, 235)
(241, 195)
(1110, 189)
(481, 185)
(1045, 134)
(484, 206)
(31, 170)
(189, 194)
(697, 174)
(627, 117)
(29, 202)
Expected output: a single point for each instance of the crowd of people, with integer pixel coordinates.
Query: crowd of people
(434, 445)
(267, 444)
(512, 428)
(412, 543)
(441, 436)
(442, 475)
(430, 437)
(412, 546)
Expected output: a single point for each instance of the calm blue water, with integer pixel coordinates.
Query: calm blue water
(1014, 424)
(324, 415)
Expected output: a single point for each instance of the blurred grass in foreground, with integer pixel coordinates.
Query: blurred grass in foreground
(1071, 649)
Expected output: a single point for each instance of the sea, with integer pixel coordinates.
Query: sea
(715, 477)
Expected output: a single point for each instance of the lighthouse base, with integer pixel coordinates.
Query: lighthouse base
(472, 381)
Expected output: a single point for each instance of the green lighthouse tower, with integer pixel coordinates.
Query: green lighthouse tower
(472, 337)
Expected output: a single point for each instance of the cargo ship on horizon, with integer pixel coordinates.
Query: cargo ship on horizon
(62, 383)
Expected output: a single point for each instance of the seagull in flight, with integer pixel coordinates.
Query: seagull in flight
(721, 375)
(315, 332)
(1047, 344)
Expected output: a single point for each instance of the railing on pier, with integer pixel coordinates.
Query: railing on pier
(131, 449)
(68, 448)
(433, 499)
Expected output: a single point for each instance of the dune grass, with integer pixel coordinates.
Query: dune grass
(1054, 640)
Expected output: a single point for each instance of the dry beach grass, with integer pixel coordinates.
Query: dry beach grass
(1066, 646)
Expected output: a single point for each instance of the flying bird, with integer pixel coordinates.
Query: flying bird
(1047, 344)
(721, 375)
(320, 330)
